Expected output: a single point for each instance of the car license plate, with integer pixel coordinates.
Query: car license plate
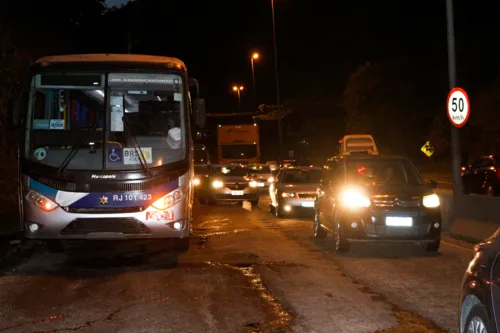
(237, 193)
(397, 221)
(308, 204)
(260, 184)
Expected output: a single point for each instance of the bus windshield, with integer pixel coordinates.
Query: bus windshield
(144, 111)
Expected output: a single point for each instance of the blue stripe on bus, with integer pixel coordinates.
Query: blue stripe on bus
(44, 190)
(125, 199)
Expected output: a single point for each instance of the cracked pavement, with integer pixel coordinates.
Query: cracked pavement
(245, 272)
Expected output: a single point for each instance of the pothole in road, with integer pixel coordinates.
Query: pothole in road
(282, 318)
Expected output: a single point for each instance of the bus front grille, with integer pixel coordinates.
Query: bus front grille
(109, 186)
(124, 225)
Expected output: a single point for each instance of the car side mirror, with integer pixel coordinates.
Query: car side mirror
(432, 184)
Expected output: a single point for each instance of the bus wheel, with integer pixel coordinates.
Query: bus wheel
(182, 244)
(55, 246)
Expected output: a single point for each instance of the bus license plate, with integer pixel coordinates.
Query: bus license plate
(236, 192)
(397, 221)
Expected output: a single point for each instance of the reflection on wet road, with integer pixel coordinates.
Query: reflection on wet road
(245, 272)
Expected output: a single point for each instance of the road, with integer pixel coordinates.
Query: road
(246, 272)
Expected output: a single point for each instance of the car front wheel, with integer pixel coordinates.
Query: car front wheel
(477, 321)
(319, 232)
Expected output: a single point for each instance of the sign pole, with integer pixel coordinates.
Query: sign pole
(455, 131)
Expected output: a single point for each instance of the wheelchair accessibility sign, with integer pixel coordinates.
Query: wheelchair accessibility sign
(115, 155)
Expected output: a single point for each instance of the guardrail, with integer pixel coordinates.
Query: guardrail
(478, 216)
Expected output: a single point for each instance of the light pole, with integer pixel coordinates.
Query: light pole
(255, 56)
(278, 102)
(455, 132)
(238, 92)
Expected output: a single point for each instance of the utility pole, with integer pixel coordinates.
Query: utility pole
(276, 73)
(455, 132)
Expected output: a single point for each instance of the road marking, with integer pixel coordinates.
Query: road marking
(458, 247)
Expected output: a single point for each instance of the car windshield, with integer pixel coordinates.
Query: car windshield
(238, 151)
(301, 176)
(230, 170)
(259, 169)
(383, 172)
(145, 110)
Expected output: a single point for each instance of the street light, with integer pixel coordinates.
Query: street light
(280, 134)
(255, 56)
(238, 92)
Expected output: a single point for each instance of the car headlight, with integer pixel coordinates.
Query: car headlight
(196, 181)
(41, 201)
(253, 183)
(271, 180)
(431, 201)
(353, 198)
(287, 195)
(168, 200)
(217, 184)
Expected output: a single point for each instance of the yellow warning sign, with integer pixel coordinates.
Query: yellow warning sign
(428, 149)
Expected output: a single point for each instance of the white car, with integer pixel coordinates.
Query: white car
(273, 165)
(294, 189)
(262, 174)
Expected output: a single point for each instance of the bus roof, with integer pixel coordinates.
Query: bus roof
(111, 58)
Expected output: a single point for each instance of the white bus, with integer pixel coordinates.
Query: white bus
(106, 149)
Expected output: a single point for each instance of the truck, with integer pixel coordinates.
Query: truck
(358, 144)
(238, 144)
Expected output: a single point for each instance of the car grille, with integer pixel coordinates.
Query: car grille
(395, 202)
(306, 195)
(236, 186)
(388, 231)
(124, 225)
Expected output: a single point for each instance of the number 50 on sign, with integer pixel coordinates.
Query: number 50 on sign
(458, 105)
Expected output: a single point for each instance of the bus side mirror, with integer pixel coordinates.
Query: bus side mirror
(200, 115)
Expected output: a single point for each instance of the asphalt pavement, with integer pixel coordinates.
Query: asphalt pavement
(245, 272)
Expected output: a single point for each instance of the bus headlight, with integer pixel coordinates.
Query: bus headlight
(354, 199)
(41, 201)
(196, 181)
(253, 183)
(217, 184)
(431, 201)
(168, 200)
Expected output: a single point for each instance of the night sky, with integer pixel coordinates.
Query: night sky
(318, 46)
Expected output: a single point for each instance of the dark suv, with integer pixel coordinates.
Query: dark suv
(376, 198)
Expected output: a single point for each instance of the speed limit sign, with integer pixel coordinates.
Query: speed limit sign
(458, 107)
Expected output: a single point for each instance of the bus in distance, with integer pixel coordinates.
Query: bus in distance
(105, 150)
